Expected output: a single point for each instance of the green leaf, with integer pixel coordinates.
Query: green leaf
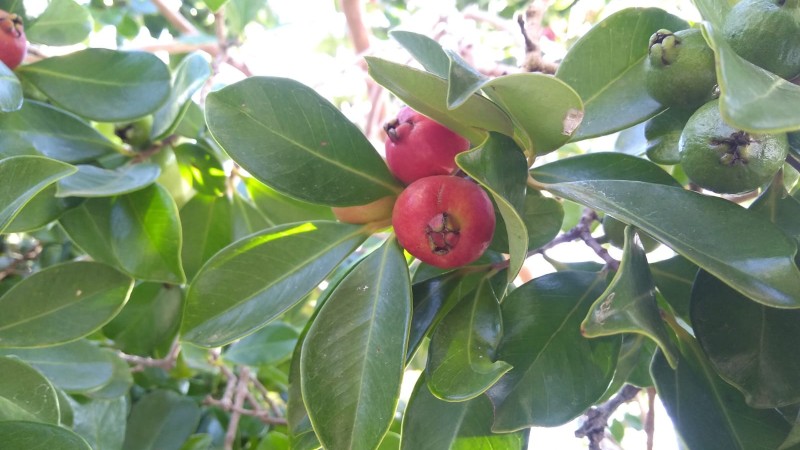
(101, 84)
(199, 442)
(748, 343)
(61, 303)
(202, 169)
(92, 181)
(714, 11)
(42, 209)
(64, 22)
(602, 166)
(427, 94)
(256, 279)
(634, 355)
(24, 177)
(751, 98)
(499, 166)
(461, 357)
(780, 208)
(759, 265)
(270, 345)
(542, 216)
(433, 424)
(425, 50)
(101, 422)
(25, 394)
(628, 304)
(207, 224)
(121, 379)
(215, 5)
(279, 209)
(462, 80)
(674, 278)
(557, 372)
(10, 90)
(77, 367)
(39, 436)
(139, 233)
(161, 420)
(706, 411)
(606, 68)
(189, 76)
(247, 219)
(274, 126)
(352, 359)
(546, 110)
(149, 321)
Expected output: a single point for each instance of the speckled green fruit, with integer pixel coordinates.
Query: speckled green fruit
(766, 33)
(680, 70)
(663, 133)
(615, 233)
(722, 159)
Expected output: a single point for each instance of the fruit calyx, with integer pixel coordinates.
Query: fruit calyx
(443, 233)
(733, 147)
(12, 23)
(664, 47)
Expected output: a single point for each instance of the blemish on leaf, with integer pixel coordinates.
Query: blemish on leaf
(571, 121)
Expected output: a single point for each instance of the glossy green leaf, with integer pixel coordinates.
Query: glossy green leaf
(780, 208)
(256, 279)
(706, 411)
(64, 22)
(61, 303)
(101, 422)
(353, 357)
(202, 169)
(301, 434)
(425, 50)
(189, 76)
(543, 217)
(101, 84)
(463, 80)
(427, 94)
(433, 424)
(247, 219)
(557, 372)
(499, 166)
(149, 321)
(39, 436)
(25, 394)
(632, 356)
(279, 209)
(270, 345)
(139, 233)
(66, 414)
(760, 265)
(92, 181)
(546, 110)
(628, 304)
(606, 68)
(602, 166)
(161, 420)
(390, 442)
(121, 379)
(24, 177)
(77, 367)
(714, 11)
(10, 90)
(674, 278)
(793, 440)
(41, 210)
(207, 224)
(275, 126)
(751, 98)
(52, 132)
(199, 442)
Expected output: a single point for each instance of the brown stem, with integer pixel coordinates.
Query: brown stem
(12, 267)
(141, 362)
(238, 406)
(650, 420)
(175, 18)
(596, 418)
(531, 29)
(353, 13)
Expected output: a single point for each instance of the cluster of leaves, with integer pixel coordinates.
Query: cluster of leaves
(142, 248)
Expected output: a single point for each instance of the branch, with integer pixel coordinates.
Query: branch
(531, 28)
(12, 267)
(175, 18)
(596, 418)
(650, 421)
(166, 363)
(238, 407)
(355, 24)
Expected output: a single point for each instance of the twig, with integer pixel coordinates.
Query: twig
(175, 18)
(142, 362)
(531, 28)
(238, 407)
(650, 421)
(596, 418)
(265, 395)
(11, 268)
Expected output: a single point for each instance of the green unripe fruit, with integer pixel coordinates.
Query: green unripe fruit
(663, 133)
(766, 33)
(722, 159)
(680, 70)
(615, 233)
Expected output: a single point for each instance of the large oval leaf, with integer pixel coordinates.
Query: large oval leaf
(257, 278)
(353, 357)
(190, 75)
(24, 177)
(557, 372)
(25, 394)
(101, 422)
(64, 22)
(425, 50)
(606, 68)
(101, 84)
(279, 209)
(161, 420)
(207, 224)
(61, 303)
(602, 166)
(39, 436)
(294, 140)
(759, 265)
(92, 181)
(10, 90)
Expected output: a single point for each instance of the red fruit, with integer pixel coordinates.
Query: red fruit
(13, 45)
(445, 221)
(419, 147)
(377, 211)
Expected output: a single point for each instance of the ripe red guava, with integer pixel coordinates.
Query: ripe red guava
(419, 147)
(445, 221)
(377, 211)
(13, 44)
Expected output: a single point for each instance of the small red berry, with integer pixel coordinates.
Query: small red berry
(13, 44)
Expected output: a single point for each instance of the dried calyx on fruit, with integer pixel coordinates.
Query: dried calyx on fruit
(13, 44)
(418, 147)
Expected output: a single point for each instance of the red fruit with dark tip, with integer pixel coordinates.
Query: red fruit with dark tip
(444, 221)
(418, 147)
(13, 44)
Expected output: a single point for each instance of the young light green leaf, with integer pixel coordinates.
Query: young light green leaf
(101, 422)
(273, 126)
(189, 76)
(425, 50)
(606, 68)
(24, 177)
(10, 90)
(64, 22)
(207, 224)
(25, 394)
(279, 209)
(92, 181)
(236, 293)
(352, 359)
(161, 420)
(39, 436)
(101, 84)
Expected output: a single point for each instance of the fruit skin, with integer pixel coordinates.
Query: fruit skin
(663, 133)
(13, 44)
(615, 232)
(445, 221)
(419, 147)
(378, 211)
(722, 159)
(680, 69)
(765, 32)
